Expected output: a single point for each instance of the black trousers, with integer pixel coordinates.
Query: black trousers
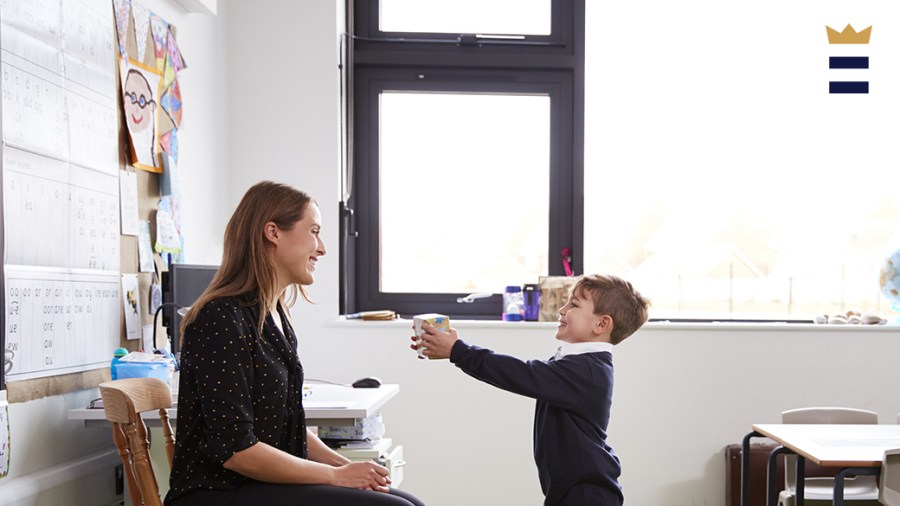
(257, 493)
(588, 494)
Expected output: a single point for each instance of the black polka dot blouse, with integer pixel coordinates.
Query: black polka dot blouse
(237, 387)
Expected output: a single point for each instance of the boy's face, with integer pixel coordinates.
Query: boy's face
(577, 321)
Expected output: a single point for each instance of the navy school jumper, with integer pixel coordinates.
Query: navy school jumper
(574, 396)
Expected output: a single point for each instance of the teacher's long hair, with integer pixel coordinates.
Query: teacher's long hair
(246, 267)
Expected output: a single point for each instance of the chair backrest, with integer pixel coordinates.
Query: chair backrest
(830, 415)
(123, 402)
(821, 415)
(889, 484)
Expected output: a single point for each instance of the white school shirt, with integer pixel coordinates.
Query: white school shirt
(579, 348)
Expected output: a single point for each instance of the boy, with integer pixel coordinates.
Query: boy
(573, 389)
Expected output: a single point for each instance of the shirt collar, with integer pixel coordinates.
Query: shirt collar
(579, 348)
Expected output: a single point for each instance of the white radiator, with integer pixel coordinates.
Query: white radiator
(27, 487)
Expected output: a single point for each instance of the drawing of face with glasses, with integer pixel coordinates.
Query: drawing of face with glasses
(139, 102)
(140, 107)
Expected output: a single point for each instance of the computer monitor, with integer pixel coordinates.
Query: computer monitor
(182, 285)
(890, 478)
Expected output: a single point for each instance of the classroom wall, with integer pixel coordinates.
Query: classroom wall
(55, 461)
(261, 95)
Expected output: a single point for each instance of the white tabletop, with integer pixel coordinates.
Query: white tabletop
(324, 405)
(836, 445)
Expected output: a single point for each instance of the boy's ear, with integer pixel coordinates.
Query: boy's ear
(604, 325)
(271, 232)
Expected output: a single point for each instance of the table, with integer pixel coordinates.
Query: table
(324, 405)
(857, 449)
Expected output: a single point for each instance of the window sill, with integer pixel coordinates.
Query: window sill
(712, 326)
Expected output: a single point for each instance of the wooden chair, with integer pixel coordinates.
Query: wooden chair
(123, 402)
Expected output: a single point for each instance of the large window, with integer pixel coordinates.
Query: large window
(734, 185)
(465, 151)
(708, 164)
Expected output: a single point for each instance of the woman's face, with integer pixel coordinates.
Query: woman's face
(139, 103)
(298, 249)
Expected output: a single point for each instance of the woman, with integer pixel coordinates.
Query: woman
(241, 436)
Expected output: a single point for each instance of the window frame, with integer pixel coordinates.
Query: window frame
(389, 61)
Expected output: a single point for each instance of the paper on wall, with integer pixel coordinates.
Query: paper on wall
(145, 250)
(132, 305)
(128, 201)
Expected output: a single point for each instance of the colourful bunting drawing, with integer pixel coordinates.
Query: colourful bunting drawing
(175, 59)
(171, 103)
(160, 31)
(122, 12)
(140, 15)
(169, 143)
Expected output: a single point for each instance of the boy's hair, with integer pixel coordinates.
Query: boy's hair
(615, 297)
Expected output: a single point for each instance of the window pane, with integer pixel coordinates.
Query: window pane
(726, 180)
(496, 17)
(463, 191)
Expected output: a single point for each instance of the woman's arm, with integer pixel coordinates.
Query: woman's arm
(269, 464)
(320, 452)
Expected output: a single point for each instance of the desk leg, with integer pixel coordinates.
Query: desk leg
(772, 479)
(800, 488)
(745, 467)
(850, 471)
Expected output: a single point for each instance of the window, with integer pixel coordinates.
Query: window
(532, 17)
(429, 208)
(742, 189)
(465, 152)
(711, 167)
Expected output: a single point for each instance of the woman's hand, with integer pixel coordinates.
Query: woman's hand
(435, 344)
(363, 475)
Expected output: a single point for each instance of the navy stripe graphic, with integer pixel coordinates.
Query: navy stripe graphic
(848, 62)
(848, 87)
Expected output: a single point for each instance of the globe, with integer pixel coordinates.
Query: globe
(890, 279)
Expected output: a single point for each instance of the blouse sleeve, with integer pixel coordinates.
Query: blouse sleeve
(222, 362)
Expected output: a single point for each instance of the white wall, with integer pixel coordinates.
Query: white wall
(55, 461)
(682, 394)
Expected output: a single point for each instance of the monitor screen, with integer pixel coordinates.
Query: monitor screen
(183, 284)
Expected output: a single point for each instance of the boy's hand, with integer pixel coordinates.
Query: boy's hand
(435, 344)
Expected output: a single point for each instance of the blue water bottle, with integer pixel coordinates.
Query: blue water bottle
(117, 356)
(532, 296)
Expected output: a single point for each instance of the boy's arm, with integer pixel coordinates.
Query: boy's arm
(565, 383)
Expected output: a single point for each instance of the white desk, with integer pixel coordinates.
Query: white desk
(324, 405)
(857, 449)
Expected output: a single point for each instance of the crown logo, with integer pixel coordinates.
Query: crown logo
(848, 36)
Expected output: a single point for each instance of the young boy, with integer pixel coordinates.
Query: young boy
(573, 389)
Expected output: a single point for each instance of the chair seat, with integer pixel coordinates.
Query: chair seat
(859, 488)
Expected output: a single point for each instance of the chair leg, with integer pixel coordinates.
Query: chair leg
(121, 443)
(142, 467)
(786, 499)
(168, 437)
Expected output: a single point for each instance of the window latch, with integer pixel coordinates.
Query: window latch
(468, 299)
